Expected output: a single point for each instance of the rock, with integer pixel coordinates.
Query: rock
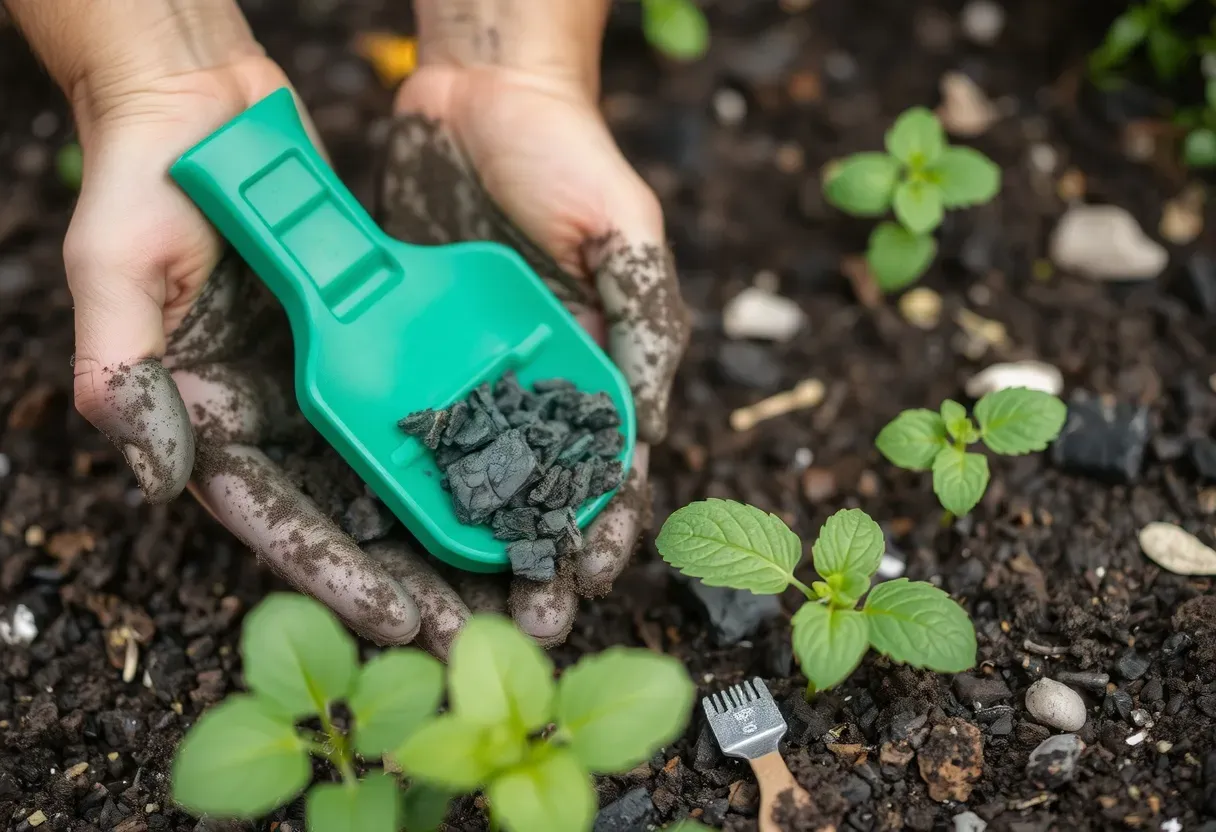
(122, 730)
(1132, 665)
(1177, 550)
(730, 107)
(748, 364)
(1203, 456)
(1034, 375)
(733, 614)
(1176, 645)
(966, 109)
(1118, 702)
(535, 560)
(969, 822)
(367, 519)
(1181, 219)
(982, 21)
(921, 307)
(1090, 680)
(980, 691)
(20, 628)
(1102, 438)
(1003, 727)
(633, 812)
(1056, 705)
(758, 313)
(1104, 242)
(1054, 761)
(951, 760)
(706, 753)
(484, 481)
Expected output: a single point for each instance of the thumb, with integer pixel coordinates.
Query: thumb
(120, 385)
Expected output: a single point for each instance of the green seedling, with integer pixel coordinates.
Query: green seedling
(725, 543)
(1012, 422)
(676, 28)
(919, 178)
(531, 744)
(1199, 147)
(249, 755)
(1147, 25)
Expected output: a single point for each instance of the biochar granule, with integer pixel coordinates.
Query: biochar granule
(524, 461)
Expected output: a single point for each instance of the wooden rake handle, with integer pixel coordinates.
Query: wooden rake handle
(774, 777)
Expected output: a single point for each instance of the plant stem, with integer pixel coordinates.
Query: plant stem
(806, 590)
(340, 755)
(947, 518)
(810, 692)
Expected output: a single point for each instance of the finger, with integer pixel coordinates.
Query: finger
(613, 536)
(545, 611)
(442, 611)
(217, 327)
(648, 323)
(239, 405)
(251, 497)
(482, 593)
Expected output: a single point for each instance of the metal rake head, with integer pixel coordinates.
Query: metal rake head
(745, 719)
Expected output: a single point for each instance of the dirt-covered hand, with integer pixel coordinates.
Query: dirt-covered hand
(487, 153)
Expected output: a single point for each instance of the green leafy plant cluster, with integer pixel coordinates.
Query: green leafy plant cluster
(1012, 422)
(725, 543)
(919, 178)
(676, 28)
(509, 728)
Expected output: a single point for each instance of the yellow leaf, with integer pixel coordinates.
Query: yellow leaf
(393, 57)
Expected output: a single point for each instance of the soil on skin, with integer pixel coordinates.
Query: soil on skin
(1048, 565)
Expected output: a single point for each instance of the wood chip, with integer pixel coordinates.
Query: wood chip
(76, 770)
(36, 819)
(808, 393)
(1177, 550)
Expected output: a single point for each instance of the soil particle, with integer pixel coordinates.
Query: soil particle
(951, 760)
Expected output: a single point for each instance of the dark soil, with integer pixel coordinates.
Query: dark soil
(1048, 565)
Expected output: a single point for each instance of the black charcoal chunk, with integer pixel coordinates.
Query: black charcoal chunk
(570, 542)
(515, 523)
(427, 425)
(445, 455)
(458, 414)
(521, 418)
(545, 434)
(580, 484)
(552, 385)
(533, 559)
(542, 490)
(484, 481)
(477, 432)
(482, 399)
(559, 495)
(553, 523)
(608, 475)
(508, 394)
(576, 449)
(596, 412)
(608, 443)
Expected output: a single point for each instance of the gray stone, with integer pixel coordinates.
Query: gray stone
(1056, 705)
(1090, 680)
(733, 614)
(1132, 665)
(483, 482)
(633, 812)
(1102, 439)
(1054, 761)
(969, 822)
(981, 691)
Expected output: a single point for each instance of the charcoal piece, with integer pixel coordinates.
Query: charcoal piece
(533, 559)
(553, 385)
(607, 476)
(427, 425)
(608, 443)
(553, 523)
(458, 414)
(545, 434)
(541, 492)
(596, 412)
(477, 432)
(580, 484)
(559, 495)
(522, 418)
(575, 449)
(570, 542)
(508, 394)
(482, 399)
(445, 484)
(445, 455)
(484, 481)
(515, 523)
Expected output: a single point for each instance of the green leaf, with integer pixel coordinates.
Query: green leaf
(913, 439)
(1126, 33)
(1209, 92)
(1019, 421)
(863, 184)
(725, 543)
(918, 205)
(677, 28)
(897, 256)
(395, 693)
(618, 707)
(1167, 52)
(296, 654)
(242, 759)
(829, 643)
(916, 138)
(918, 624)
(452, 752)
(690, 826)
(966, 177)
(959, 480)
(424, 807)
(1199, 151)
(499, 676)
(960, 428)
(844, 590)
(849, 543)
(368, 805)
(553, 794)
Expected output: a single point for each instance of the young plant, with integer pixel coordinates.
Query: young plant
(247, 755)
(919, 178)
(1012, 422)
(1199, 147)
(532, 744)
(725, 543)
(677, 28)
(1149, 25)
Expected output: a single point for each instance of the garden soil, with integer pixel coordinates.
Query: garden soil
(138, 608)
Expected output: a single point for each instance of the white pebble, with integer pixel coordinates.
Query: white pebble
(1137, 738)
(755, 313)
(21, 629)
(1056, 705)
(1034, 375)
(1177, 550)
(839, 66)
(966, 109)
(1043, 158)
(969, 822)
(983, 21)
(891, 567)
(1171, 825)
(729, 106)
(1104, 242)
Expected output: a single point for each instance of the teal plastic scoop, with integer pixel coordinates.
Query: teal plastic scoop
(381, 328)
